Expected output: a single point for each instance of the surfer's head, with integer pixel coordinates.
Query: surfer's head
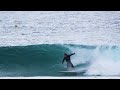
(65, 54)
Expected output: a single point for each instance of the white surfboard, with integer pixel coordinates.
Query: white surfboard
(73, 71)
(68, 71)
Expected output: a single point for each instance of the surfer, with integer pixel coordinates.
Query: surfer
(68, 60)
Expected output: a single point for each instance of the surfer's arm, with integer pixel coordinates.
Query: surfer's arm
(63, 60)
(71, 54)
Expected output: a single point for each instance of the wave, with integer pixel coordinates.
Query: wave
(45, 60)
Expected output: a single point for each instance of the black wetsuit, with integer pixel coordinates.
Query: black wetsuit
(69, 63)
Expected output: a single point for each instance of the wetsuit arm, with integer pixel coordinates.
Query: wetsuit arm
(71, 54)
(63, 60)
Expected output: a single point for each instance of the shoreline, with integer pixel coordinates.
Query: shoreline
(50, 77)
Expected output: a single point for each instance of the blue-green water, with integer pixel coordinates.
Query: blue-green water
(46, 59)
(35, 60)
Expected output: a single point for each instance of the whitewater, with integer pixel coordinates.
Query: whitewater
(32, 43)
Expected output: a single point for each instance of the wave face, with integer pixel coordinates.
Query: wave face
(34, 60)
(45, 60)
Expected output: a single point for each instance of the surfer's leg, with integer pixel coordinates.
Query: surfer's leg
(70, 66)
(73, 68)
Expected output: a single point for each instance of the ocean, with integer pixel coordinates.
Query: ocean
(33, 43)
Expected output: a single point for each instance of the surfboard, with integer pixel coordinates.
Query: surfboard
(82, 71)
(68, 71)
